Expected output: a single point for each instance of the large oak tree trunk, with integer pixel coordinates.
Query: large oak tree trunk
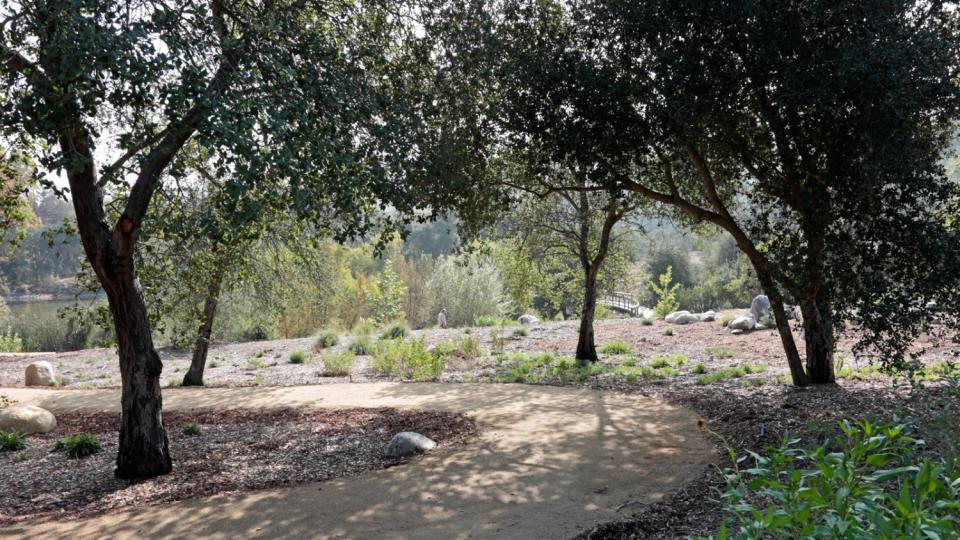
(198, 363)
(821, 341)
(586, 346)
(143, 450)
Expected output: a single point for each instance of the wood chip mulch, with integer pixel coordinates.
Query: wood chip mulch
(237, 450)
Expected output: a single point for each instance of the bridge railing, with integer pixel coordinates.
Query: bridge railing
(621, 301)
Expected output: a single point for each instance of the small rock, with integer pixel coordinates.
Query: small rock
(28, 419)
(528, 319)
(40, 374)
(736, 332)
(742, 323)
(408, 444)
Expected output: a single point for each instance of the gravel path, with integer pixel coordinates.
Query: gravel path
(548, 463)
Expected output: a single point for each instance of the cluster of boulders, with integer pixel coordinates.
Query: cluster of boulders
(685, 317)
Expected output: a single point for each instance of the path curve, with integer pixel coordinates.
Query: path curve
(548, 463)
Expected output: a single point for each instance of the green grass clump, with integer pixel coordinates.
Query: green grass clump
(668, 332)
(720, 353)
(699, 369)
(646, 322)
(731, 373)
(361, 346)
(615, 347)
(519, 333)
(396, 331)
(325, 340)
(296, 357)
(257, 363)
(364, 328)
(79, 445)
(630, 362)
(174, 382)
(407, 360)
(12, 441)
(338, 365)
(486, 321)
(192, 429)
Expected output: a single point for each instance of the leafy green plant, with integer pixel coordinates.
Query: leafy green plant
(699, 369)
(486, 320)
(325, 340)
(257, 363)
(615, 347)
(361, 346)
(12, 441)
(364, 327)
(666, 294)
(407, 359)
(870, 483)
(338, 365)
(497, 341)
(79, 445)
(646, 322)
(11, 341)
(191, 429)
(396, 331)
(296, 357)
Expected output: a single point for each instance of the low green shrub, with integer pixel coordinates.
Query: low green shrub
(497, 341)
(364, 328)
(407, 359)
(12, 441)
(668, 360)
(519, 333)
(731, 373)
(11, 341)
(296, 357)
(668, 332)
(646, 322)
(79, 445)
(467, 347)
(486, 320)
(396, 331)
(325, 340)
(257, 363)
(361, 346)
(615, 347)
(338, 365)
(720, 353)
(192, 429)
(869, 483)
(699, 369)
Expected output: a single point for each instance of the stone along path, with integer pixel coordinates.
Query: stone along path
(548, 463)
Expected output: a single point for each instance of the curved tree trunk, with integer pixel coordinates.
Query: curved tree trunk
(798, 376)
(194, 376)
(586, 346)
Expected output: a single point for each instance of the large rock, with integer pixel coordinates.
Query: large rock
(760, 310)
(40, 374)
(408, 444)
(681, 317)
(742, 323)
(708, 316)
(27, 418)
(528, 319)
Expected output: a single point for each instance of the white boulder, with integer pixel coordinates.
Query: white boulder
(408, 443)
(677, 316)
(40, 374)
(742, 324)
(708, 316)
(528, 319)
(27, 418)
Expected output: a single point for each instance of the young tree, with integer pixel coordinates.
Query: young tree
(297, 97)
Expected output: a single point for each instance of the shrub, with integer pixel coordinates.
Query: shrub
(338, 365)
(12, 441)
(396, 331)
(659, 362)
(519, 333)
(407, 360)
(497, 341)
(11, 341)
(469, 287)
(646, 322)
(325, 340)
(296, 357)
(666, 294)
(668, 332)
(700, 369)
(79, 445)
(615, 347)
(257, 363)
(668, 360)
(364, 327)
(191, 429)
(387, 294)
(869, 483)
(174, 382)
(486, 320)
(361, 346)
(467, 347)
(602, 312)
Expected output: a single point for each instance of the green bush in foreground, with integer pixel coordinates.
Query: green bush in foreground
(361, 346)
(191, 429)
(12, 441)
(298, 357)
(407, 360)
(79, 445)
(338, 365)
(873, 486)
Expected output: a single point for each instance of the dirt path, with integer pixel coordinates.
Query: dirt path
(549, 463)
